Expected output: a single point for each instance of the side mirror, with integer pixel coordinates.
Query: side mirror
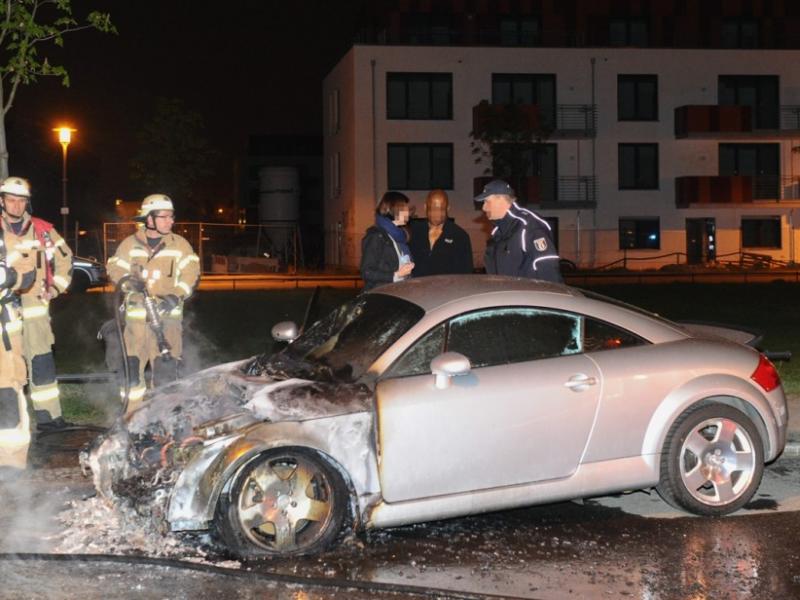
(447, 365)
(285, 331)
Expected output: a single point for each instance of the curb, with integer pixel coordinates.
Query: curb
(792, 448)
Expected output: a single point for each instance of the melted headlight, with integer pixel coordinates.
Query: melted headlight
(225, 426)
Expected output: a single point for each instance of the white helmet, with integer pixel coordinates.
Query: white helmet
(16, 186)
(154, 202)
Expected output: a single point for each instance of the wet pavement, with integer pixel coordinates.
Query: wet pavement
(631, 545)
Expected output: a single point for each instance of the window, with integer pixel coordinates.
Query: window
(639, 234)
(419, 96)
(522, 88)
(512, 335)
(430, 28)
(760, 92)
(333, 112)
(598, 335)
(520, 32)
(637, 97)
(417, 359)
(420, 166)
(739, 33)
(761, 232)
(759, 161)
(336, 175)
(638, 166)
(627, 32)
(520, 163)
(500, 336)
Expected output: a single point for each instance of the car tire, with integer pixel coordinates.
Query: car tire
(80, 282)
(712, 462)
(265, 514)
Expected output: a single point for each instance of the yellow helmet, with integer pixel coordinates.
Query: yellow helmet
(16, 186)
(154, 202)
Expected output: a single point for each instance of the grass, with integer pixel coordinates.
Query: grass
(224, 326)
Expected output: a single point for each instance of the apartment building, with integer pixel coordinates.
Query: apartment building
(647, 157)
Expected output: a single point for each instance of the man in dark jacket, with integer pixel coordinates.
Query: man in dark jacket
(521, 244)
(438, 245)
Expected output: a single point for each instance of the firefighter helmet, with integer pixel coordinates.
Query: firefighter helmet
(152, 203)
(16, 186)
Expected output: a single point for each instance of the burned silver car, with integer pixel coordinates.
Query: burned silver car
(449, 396)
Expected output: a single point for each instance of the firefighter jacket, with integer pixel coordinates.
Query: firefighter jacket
(170, 268)
(521, 246)
(52, 261)
(16, 273)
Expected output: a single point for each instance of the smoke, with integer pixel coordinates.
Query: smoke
(29, 504)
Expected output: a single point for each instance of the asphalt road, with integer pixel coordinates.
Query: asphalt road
(630, 545)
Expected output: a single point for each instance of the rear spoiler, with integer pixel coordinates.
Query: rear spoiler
(738, 333)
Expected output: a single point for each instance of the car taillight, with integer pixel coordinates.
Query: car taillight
(766, 375)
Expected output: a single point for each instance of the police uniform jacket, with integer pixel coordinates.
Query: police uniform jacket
(451, 253)
(521, 246)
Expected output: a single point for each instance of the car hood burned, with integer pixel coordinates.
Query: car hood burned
(142, 456)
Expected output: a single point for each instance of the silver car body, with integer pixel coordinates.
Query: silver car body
(498, 437)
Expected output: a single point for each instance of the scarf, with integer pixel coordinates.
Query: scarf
(397, 234)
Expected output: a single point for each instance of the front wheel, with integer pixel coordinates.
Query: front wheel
(712, 462)
(286, 502)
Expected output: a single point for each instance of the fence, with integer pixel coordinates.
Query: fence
(234, 248)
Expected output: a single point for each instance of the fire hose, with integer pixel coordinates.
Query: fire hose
(252, 577)
(156, 324)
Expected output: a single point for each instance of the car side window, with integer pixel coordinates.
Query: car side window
(417, 359)
(598, 335)
(511, 335)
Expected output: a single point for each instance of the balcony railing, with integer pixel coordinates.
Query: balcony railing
(734, 189)
(715, 121)
(550, 192)
(562, 121)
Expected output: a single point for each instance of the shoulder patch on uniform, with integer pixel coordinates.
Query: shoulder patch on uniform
(540, 244)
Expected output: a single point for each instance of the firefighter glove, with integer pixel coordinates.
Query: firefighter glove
(167, 303)
(134, 284)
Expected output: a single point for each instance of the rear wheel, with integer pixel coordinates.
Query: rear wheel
(284, 503)
(712, 462)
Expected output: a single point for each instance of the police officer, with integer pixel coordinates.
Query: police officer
(521, 244)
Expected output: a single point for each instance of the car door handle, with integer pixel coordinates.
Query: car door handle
(580, 382)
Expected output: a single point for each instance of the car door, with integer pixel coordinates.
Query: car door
(522, 414)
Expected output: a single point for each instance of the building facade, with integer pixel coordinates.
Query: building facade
(644, 157)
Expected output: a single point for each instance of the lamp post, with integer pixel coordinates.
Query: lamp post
(64, 138)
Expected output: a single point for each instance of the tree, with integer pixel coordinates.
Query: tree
(26, 29)
(173, 153)
(509, 137)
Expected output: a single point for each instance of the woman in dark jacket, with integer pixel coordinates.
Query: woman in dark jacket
(385, 256)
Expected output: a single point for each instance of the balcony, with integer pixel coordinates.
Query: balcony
(734, 189)
(716, 121)
(550, 192)
(564, 121)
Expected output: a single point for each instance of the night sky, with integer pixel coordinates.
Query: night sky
(248, 66)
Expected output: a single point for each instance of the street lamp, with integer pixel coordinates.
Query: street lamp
(64, 138)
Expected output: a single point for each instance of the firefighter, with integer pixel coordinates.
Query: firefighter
(158, 263)
(16, 272)
(53, 264)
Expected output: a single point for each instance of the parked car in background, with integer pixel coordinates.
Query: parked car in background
(447, 396)
(87, 273)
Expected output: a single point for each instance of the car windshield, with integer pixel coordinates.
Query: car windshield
(343, 345)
